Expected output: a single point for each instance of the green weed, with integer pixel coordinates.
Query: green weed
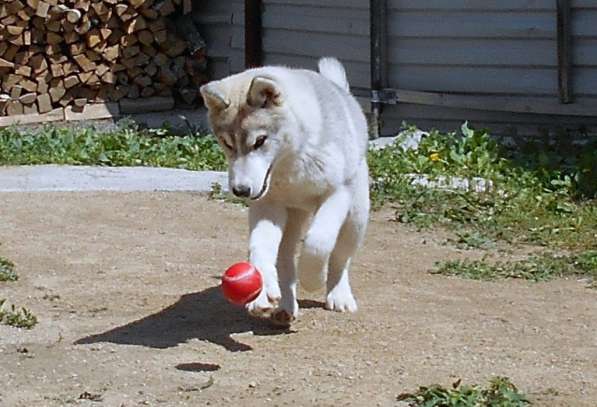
(543, 267)
(550, 207)
(499, 393)
(125, 146)
(7, 270)
(19, 318)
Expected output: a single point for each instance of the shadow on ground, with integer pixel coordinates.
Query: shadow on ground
(204, 315)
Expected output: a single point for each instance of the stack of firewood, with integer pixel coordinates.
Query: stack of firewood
(68, 53)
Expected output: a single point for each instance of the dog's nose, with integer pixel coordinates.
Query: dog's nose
(242, 191)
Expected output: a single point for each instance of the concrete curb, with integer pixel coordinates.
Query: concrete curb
(68, 178)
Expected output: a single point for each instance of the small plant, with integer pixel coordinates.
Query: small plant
(543, 267)
(7, 270)
(500, 393)
(553, 206)
(19, 318)
(125, 146)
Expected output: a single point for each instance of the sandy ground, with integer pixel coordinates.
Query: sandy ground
(125, 286)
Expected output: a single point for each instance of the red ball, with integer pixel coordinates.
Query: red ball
(241, 283)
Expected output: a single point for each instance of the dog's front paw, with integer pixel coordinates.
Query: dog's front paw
(286, 313)
(341, 299)
(266, 301)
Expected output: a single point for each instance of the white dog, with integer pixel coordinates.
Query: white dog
(296, 144)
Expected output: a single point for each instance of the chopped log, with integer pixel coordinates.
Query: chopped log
(142, 81)
(42, 10)
(16, 91)
(84, 76)
(71, 81)
(38, 63)
(30, 109)
(54, 26)
(145, 37)
(136, 3)
(28, 85)
(69, 68)
(71, 37)
(84, 63)
(28, 98)
(93, 38)
(77, 48)
(157, 25)
(165, 8)
(15, 30)
(14, 107)
(161, 36)
(57, 90)
(23, 70)
(93, 80)
(109, 77)
(111, 53)
(149, 13)
(53, 38)
(44, 103)
(151, 69)
(133, 92)
(130, 51)
(6, 64)
(147, 91)
(84, 25)
(73, 16)
(136, 24)
(56, 70)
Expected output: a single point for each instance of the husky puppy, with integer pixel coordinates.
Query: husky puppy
(296, 144)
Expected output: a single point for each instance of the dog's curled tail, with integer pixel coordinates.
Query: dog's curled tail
(333, 70)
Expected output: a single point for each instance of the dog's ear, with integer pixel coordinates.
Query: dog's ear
(213, 96)
(264, 92)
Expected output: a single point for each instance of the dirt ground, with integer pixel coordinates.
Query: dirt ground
(125, 287)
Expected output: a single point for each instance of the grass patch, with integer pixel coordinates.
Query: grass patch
(125, 146)
(7, 270)
(540, 195)
(500, 392)
(18, 318)
(549, 205)
(543, 267)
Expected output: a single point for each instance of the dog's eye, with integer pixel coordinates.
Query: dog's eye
(259, 142)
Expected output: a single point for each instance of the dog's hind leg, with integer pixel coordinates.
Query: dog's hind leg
(288, 308)
(267, 222)
(339, 294)
(321, 238)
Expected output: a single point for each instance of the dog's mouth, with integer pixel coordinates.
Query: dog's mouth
(265, 186)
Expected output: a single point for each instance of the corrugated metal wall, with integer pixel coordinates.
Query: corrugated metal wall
(473, 47)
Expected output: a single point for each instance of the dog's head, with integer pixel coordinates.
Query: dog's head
(248, 115)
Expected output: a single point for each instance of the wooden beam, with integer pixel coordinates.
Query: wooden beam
(52, 116)
(378, 59)
(564, 21)
(495, 103)
(253, 36)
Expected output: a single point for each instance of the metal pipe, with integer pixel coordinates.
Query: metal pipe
(378, 60)
(253, 31)
(564, 21)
